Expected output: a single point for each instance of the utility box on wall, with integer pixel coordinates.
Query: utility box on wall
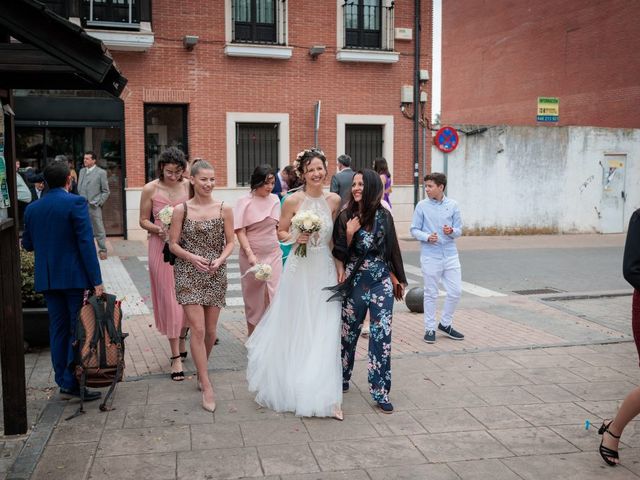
(406, 94)
(404, 34)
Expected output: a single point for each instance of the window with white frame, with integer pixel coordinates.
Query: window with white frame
(258, 21)
(254, 138)
(254, 21)
(256, 28)
(365, 137)
(367, 24)
(111, 13)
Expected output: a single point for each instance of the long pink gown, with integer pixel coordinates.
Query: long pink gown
(168, 313)
(259, 216)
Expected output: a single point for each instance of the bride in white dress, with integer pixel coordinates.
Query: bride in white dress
(294, 352)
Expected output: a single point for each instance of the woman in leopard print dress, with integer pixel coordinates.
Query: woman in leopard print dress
(202, 237)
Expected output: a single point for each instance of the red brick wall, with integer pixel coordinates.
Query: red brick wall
(215, 84)
(500, 55)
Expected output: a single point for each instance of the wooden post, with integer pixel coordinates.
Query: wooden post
(14, 396)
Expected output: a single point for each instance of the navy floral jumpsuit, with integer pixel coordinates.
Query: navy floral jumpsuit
(372, 289)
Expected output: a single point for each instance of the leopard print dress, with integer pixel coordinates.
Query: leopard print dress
(205, 238)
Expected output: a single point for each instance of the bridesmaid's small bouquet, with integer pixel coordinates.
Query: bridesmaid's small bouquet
(305, 222)
(262, 271)
(165, 215)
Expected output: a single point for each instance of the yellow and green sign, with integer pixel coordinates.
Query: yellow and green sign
(548, 109)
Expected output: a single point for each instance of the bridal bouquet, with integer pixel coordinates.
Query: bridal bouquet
(305, 222)
(262, 271)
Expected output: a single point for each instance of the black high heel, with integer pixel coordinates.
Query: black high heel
(176, 376)
(605, 452)
(183, 355)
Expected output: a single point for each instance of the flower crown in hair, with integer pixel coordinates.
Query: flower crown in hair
(309, 151)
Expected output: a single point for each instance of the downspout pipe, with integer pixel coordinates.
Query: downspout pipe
(416, 107)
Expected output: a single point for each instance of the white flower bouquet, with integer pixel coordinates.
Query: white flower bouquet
(165, 215)
(262, 271)
(305, 222)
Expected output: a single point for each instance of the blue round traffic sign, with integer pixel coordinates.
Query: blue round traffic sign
(446, 139)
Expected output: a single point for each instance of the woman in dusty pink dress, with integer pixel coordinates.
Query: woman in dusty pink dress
(169, 189)
(255, 222)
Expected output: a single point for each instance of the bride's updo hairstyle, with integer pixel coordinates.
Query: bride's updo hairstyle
(198, 165)
(305, 157)
(371, 197)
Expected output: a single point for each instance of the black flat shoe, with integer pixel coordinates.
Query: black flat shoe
(386, 407)
(89, 395)
(606, 453)
(177, 376)
(345, 387)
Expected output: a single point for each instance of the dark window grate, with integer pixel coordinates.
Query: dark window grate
(538, 291)
(363, 143)
(256, 144)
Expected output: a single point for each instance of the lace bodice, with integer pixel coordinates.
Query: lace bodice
(320, 207)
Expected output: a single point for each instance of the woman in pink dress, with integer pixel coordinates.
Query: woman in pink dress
(169, 189)
(255, 222)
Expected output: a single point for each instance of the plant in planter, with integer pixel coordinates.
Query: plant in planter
(35, 318)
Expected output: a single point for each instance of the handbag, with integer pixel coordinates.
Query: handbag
(398, 288)
(168, 256)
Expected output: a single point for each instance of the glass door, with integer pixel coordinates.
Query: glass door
(38, 146)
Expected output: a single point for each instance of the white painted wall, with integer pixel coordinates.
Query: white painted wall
(520, 178)
(510, 179)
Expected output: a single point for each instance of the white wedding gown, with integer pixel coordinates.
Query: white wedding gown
(294, 352)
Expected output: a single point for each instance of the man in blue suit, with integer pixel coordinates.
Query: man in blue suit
(58, 228)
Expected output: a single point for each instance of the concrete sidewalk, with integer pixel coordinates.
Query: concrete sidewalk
(508, 402)
(517, 414)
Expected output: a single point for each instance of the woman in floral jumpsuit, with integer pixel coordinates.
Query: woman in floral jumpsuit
(367, 253)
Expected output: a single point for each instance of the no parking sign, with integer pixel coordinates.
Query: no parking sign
(446, 139)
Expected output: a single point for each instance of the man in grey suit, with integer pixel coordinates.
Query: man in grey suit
(93, 185)
(341, 181)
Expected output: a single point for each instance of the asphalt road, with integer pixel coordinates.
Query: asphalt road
(575, 270)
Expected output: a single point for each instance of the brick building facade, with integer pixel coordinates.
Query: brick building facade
(500, 56)
(230, 84)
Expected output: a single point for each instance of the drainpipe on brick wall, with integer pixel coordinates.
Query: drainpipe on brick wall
(416, 107)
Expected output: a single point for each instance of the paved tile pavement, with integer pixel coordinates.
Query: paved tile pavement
(517, 414)
(508, 402)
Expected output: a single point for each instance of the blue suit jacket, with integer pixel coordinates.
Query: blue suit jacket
(58, 228)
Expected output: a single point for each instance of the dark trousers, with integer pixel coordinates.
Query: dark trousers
(63, 306)
(635, 318)
(377, 297)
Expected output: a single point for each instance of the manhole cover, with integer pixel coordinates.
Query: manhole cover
(538, 291)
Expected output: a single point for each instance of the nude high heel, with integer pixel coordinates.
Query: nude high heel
(208, 406)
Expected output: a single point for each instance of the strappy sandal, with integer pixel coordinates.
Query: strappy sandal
(183, 355)
(176, 376)
(606, 453)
